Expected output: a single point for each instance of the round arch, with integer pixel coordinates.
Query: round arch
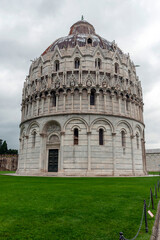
(105, 120)
(76, 118)
(126, 123)
(31, 125)
(139, 129)
(48, 123)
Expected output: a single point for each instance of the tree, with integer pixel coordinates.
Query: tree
(3, 148)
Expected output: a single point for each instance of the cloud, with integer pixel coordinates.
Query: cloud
(27, 28)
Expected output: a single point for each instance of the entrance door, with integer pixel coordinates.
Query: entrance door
(53, 160)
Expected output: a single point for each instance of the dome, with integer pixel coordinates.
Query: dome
(81, 33)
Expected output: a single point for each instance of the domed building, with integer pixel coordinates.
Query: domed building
(82, 110)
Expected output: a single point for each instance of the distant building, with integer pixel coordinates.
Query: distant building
(153, 160)
(82, 109)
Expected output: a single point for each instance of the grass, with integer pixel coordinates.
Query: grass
(73, 208)
(154, 173)
(5, 172)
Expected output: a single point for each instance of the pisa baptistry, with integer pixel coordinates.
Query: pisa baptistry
(82, 110)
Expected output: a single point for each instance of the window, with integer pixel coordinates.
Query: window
(76, 136)
(34, 139)
(98, 63)
(56, 65)
(101, 136)
(137, 140)
(41, 70)
(92, 97)
(89, 41)
(77, 63)
(53, 100)
(123, 138)
(116, 67)
(127, 103)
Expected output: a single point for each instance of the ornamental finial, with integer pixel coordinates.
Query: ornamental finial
(82, 18)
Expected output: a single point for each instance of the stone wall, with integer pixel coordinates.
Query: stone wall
(153, 160)
(8, 162)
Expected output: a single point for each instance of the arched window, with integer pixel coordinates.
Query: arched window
(56, 65)
(53, 99)
(98, 63)
(76, 136)
(101, 136)
(89, 41)
(123, 138)
(77, 63)
(33, 138)
(92, 97)
(116, 67)
(137, 140)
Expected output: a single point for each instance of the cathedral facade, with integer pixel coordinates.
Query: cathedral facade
(82, 110)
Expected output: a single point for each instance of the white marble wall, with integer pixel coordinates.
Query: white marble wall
(88, 157)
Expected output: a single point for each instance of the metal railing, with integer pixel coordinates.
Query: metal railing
(144, 212)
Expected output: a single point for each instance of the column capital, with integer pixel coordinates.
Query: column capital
(62, 133)
(113, 133)
(89, 133)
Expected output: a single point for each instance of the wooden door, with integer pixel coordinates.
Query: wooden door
(53, 160)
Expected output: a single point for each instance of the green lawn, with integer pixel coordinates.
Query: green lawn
(5, 172)
(154, 173)
(73, 208)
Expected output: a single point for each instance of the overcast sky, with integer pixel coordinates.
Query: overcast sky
(28, 27)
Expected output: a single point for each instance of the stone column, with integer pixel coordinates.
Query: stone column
(97, 101)
(143, 155)
(33, 101)
(113, 152)
(72, 102)
(112, 100)
(43, 157)
(105, 100)
(30, 107)
(80, 100)
(23, 109)
(132, 152)
(125, 110)
(89, 150)
(89, 93)
(49, 100)
(61, 151)
(64, 101)
(43, 97)
(64, 73)
(37, 110)
(57, 97)
(25, 157)
(119, 104)
(81, 76)
(130, 107)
